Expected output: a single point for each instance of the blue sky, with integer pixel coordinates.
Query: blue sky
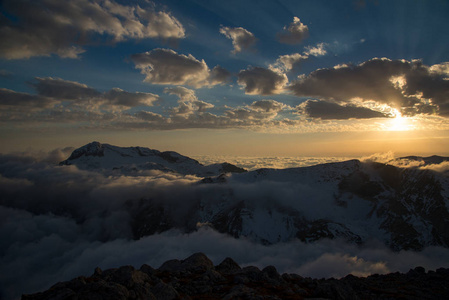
(305, 70)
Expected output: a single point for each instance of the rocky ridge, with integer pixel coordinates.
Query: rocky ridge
(197, 278)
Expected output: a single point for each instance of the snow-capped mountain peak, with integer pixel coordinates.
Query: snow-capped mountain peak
(128, 160)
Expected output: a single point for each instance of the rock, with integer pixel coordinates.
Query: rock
(228, 266)
(164, 291)
(196, 278)
(197, 262)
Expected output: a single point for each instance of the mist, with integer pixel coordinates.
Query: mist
(59, 222)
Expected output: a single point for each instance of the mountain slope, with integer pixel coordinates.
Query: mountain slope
(355, 201)
(131, 160)
(406, 208)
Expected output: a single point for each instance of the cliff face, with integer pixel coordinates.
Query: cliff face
(197, 278)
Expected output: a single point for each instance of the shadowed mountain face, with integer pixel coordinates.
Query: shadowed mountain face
(406, 208)
(196, 277)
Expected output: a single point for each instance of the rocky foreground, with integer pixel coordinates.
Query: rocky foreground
(197, 278)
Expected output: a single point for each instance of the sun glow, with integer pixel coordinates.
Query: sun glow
(399, 123)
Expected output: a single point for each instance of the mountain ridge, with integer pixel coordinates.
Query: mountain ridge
(406, 208)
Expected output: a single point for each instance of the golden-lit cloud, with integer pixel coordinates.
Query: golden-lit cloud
(294, 33)
(241, 38)
(166, 66)
(409, 86)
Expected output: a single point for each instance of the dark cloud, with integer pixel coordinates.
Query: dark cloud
(63, 89)
(409, 86)
(44, 27)
(241, 38)
(11, 98)
(56, 90)
(118, 96)
(165, 66)
(261, 81)
(295, 33)
(219, 75)
(328, 110)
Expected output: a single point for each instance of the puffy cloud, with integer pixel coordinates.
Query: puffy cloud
(295, 33)
(241, 38)
(261, 81)
(165, 66)
(188, 102)
(44, 27)
(409, 86)
(328, 110)
(219, 75)
(286, 63)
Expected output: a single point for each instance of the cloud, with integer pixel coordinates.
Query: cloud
(188, 102)
(117, 96)
(58, 223)
(165, 66)
(409, 86)
(328, 110)
(63, 89)
(241, 38)
(286, 63)
(219, 75)
(272, 162)
(44, 27)
(318, 50)
(295, 33)
(261, 110)
(261, 81)
(11, 98)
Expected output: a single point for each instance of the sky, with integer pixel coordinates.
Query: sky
(248, 78)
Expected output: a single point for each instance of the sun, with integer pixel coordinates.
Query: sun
(399, 123)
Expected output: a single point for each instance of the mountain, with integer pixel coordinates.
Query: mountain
(354, 201)
(196, 277)
(405, 208)
(132, 160)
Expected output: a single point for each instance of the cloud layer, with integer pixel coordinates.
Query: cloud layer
(59, 222)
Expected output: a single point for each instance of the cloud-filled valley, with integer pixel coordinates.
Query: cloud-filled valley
(59, 222)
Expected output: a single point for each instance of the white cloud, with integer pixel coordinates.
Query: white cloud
(318, 50)
(44, 27)
(241, 38)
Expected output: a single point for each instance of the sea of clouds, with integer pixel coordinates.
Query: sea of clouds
(59, 222)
